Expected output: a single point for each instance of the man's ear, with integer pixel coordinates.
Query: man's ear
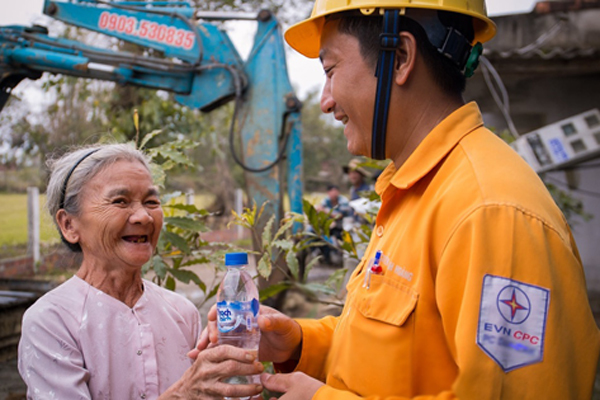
(65, 223)
(406, 56)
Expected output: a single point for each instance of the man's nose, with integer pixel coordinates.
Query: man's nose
(327, 102)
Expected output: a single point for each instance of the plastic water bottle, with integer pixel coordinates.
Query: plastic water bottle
(237, 310)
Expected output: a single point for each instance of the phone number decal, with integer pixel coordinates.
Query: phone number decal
(147, 30)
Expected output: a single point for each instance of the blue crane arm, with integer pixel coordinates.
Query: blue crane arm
(199, 64)
(163, 26)
(24, 49)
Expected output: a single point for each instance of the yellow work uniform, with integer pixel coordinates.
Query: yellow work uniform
(482, 294)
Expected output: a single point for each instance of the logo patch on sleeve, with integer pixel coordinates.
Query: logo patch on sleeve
(512, 322)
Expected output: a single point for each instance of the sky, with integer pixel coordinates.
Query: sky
(306, 74)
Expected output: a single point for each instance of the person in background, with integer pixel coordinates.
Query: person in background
(357, 176)
(107, 333)
(338, 207)
(335, 203)
(479, 292)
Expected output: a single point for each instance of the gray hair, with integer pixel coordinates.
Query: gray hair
(75, 168)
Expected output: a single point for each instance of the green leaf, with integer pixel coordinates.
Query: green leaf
(284, 245)
(310, 211)
(320, 221)
(264, 267)
(149, 137)
(348, 244)
(170, 283)
(212, 293)
(260, 212)
(185, 275)
(315, 288)
(158, 175)
(159, 267)
(196, 261)
(190, 208)
(370, 195)
(266, 235)
(273, 290)
(187, 223)
(177, 241)
(292, 263)
(237, 220)
(162, 242)
(184, 144)
(284, 228)
(168, 165)
(170, 154)
(336, 279)
(310, 266)
(177, 262)
(146, 267)
(366, 230)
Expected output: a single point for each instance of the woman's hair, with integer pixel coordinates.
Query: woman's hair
(70, 172)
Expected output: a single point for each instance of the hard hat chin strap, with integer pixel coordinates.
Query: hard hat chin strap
(448, 41)
(389, 43)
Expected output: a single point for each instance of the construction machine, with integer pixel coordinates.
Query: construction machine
(198, 63)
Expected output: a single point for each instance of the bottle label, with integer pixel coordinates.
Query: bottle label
(232, 314)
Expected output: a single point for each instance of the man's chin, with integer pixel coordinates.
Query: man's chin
(357, 152)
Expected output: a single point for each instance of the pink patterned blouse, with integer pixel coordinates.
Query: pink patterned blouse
(78, 342)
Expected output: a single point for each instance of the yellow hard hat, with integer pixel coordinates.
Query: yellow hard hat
(305, 36)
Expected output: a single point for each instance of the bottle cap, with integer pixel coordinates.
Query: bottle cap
(236, 258)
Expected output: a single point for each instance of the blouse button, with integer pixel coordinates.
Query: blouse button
(143, 395)
(380, 230)
(139, 352)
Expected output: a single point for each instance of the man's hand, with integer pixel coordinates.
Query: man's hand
(280, 339)
(294, 386)
(281, 336)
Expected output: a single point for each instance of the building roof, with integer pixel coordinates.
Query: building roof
(563, 35)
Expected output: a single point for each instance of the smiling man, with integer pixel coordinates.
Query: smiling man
(482, 293)
(479, 292)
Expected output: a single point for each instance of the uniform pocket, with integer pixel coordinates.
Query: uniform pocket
(387, 301)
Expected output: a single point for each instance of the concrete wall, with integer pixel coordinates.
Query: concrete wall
(17, 266)
(22, 267)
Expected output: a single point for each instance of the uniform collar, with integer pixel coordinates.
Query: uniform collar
(436, 145)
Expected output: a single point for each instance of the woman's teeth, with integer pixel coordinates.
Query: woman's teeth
(136, 239)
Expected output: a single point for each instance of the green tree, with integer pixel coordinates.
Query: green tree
(84, 110)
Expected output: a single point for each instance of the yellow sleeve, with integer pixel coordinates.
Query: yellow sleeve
(538, 350)
(509, 248)
(316, 340)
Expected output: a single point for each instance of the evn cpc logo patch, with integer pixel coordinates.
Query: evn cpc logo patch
(512, 321)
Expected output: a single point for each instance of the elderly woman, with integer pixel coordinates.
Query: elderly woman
(107, 333)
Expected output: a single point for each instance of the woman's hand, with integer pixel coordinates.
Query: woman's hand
(204, 379)
(280, 339)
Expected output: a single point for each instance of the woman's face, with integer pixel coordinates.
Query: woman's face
(121, 217)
